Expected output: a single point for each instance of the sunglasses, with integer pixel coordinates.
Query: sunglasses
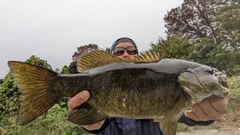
(120, 50)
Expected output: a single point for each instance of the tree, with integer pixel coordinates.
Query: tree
(65, 70)
(192, 19)
(206, 52)
(203, 50)
(39, 62)
(212, 54)
(83, 50)
(197, 19)
(227, 20)
(73, 68)
(9, 96)
(107, 50)
(174, 47)
(213, 28)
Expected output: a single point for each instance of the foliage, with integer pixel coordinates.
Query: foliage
(213, 27)
(53, 122)
(81, 50)
(174, 47)
(37, 61)
(9, 99)
(206, 51)
(209, 53)
(191, 19)
(107, 50)
(227, 20)
(10, 94)
(73, 68)
(65, 70)
(199, 18)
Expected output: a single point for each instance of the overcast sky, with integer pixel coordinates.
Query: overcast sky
(53, 29)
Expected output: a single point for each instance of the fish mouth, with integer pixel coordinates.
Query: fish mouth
(222, 78)
(202, 82)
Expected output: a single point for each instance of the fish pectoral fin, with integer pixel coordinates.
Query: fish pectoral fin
(158, 119)
(168, 123)
(85, 114)
(168, 127)
(177, 110)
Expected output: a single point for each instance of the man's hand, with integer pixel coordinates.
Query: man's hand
(79, 99)
(211, 108)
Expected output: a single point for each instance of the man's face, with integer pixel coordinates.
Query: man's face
(124, 47)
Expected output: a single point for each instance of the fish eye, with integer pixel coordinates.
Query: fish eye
(210, 71)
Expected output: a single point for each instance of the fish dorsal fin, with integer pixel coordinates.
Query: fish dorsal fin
(100, 58)
(146, 57)
(95, 59)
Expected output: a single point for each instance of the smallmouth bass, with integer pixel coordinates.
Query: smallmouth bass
(145, 88)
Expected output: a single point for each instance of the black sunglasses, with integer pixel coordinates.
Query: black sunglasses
(120, 50)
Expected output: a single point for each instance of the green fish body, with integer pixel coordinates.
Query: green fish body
(146, 88)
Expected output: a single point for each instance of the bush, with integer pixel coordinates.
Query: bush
(10, 96)
(53, 122)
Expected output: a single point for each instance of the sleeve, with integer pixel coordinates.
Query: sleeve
(191, 122)
(103, 127)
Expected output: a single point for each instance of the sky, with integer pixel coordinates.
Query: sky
(53, 29)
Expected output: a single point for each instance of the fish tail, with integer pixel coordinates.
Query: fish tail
(35, 85)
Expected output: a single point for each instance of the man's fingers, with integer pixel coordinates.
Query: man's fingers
(192, 115)
(211, 108)
(219, 104)
(78, 99)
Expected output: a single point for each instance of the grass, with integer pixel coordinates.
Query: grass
(54, 122)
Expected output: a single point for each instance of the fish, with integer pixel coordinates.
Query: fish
(147, 87)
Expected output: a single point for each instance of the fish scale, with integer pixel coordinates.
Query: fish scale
(145, 88)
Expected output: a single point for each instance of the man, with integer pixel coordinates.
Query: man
(203, 113)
